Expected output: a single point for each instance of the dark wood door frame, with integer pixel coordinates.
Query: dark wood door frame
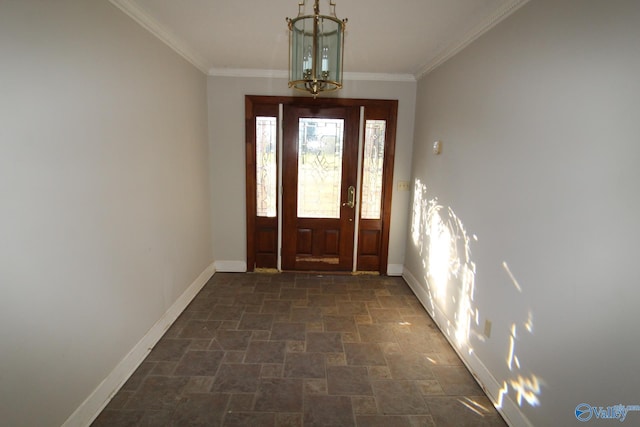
(261, 243)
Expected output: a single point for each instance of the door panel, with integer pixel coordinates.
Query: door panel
(266, 242)
(319, 166)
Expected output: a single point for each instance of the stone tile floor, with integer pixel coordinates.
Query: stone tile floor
(302, 350)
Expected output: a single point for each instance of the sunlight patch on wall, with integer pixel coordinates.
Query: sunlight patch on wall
(416, 213)
(444, 245)
(451, 269)
(526, 385)
(441, 257)
(449, 273)
(513, 279)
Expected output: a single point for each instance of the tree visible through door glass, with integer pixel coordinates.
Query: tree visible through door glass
(320, 146)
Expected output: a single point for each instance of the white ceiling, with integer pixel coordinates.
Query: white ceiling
(387, 39)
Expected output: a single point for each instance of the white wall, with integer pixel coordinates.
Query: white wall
(540, 131)
(104, 197)
(226, 138)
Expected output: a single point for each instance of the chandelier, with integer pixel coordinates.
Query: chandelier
(316, 44)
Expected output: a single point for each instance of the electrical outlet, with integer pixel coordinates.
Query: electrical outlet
(487, 328)
(403, 186)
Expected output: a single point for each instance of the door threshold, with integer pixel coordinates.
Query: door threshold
(320, 272)
(266, 270)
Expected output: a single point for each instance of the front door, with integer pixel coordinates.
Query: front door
(320, 158)
(319, 176)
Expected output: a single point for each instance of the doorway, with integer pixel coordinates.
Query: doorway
(319, 181)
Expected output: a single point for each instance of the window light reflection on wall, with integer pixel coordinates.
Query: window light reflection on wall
(443, 244)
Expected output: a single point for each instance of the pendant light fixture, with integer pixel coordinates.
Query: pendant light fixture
(316, 45)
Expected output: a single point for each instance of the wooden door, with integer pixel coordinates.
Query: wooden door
(279, 238)
(320, 157)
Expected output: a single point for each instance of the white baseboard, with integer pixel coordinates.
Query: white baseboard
(100, 397)
(509, 410)
(231, 266)
(418, 290)
(395, 269)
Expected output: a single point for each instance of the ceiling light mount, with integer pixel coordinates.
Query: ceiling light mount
(316, 49)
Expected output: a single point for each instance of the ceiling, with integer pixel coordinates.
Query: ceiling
(385, 39)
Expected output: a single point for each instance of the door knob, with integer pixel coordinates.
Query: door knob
(351, 197)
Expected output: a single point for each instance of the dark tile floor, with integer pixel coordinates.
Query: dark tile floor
(302, 350)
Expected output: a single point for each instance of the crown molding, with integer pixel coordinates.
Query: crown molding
(380, 77)
(283, 74)
(154, 27)
(248, 72)
(500, 14)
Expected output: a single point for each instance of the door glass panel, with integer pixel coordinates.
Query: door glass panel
(266, 172)
(372, 163)
(320, 143)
